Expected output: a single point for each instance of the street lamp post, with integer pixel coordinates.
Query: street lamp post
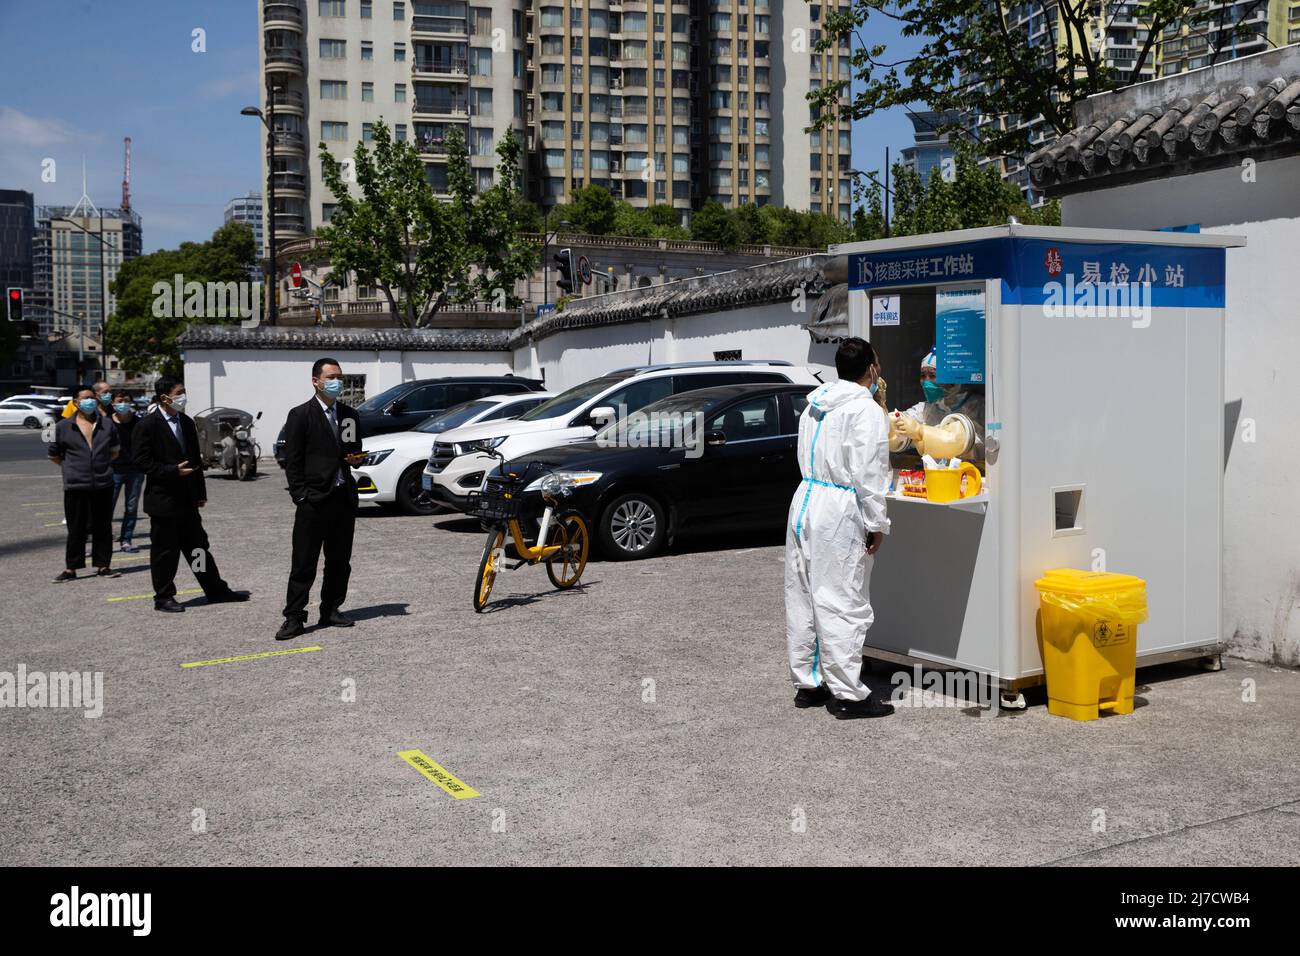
(889, 193)
(268, 120)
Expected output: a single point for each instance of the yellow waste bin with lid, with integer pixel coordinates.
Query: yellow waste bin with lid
(1088, 639)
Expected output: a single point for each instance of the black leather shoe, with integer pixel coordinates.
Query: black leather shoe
(336, 619)
(169, 605)
(228, 597)
(857, 709)
(290, 629)
(812, 696)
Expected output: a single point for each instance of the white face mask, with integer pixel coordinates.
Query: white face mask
(177, 403)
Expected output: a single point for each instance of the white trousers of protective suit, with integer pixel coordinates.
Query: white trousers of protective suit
(827, 604)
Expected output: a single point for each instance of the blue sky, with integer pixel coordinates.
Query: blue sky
(79, 75)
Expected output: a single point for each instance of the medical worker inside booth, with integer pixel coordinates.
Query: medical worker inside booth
(931, 346)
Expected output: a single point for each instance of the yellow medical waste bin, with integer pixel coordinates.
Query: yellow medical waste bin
(1088, 638)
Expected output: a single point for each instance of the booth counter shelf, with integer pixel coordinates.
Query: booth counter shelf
(1055, 330)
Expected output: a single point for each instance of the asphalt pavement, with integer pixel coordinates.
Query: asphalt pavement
(643, 718)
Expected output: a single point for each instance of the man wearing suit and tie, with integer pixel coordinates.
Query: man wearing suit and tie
(166, 449)
(322, 438)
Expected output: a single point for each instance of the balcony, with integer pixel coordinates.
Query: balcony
(282, 13)
(287, 222)
(284, 60)
(455, 70)
(294, 182)
(455, 108)
(286, 140)
(287, 100)
(439, 26)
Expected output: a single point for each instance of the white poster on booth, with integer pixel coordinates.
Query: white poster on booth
(885, 310)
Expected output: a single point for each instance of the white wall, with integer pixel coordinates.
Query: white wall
(272, 381)
(772, 331)
(1261, 382)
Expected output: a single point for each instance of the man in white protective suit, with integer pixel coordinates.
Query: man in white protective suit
(837, 524)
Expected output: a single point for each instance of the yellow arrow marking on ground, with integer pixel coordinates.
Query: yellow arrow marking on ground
(252, 657)
(440, 775)
(136, 597)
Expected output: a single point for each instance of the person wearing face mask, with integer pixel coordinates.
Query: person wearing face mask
(84, 447)
(165, 446)
(322, 438)
(837, 524)
(125, 476)
(943, 400)
(103, 394)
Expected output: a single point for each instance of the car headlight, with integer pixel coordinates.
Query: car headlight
(563, 482)
(469, 447)
(375, 457)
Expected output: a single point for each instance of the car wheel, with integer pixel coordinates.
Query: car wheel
(409, 492)
(31, 422)
(634, 525)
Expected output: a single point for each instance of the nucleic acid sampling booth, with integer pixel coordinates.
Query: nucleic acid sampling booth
(1080, 371)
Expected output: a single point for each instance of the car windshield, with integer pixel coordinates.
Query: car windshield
(668, 423)
(566, 402)
(382, 399)
(452, 417)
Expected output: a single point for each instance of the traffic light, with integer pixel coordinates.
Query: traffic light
(564, 264)
(14, 302)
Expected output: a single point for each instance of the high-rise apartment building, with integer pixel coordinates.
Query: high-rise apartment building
(661, 102)
(248, 210)
(1260, 25)
(17, 228)
(66, 264)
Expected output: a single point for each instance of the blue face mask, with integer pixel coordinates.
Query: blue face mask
(333, 387)
(123, 408)
(933, 391)
(88, 405)
(874, 387)
(106, 398)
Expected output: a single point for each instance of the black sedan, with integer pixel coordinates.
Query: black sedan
(716, 458)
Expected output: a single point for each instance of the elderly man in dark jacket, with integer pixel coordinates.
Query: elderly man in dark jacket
(85, 446)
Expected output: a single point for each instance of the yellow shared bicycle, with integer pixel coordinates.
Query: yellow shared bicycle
(562, 537)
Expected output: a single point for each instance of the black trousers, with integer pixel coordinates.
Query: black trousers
(89, 512)
(177, 536)
(327, 525)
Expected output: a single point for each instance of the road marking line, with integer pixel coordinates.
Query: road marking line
(45, 514)
(135, 557)
(136, 597)
(440, 775)
(39, 504)
(52, 524)
(252, 657)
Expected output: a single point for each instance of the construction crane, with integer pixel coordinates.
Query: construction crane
(126, 175)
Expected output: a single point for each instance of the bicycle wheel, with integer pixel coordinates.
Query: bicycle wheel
(570, 532)
(487, 568)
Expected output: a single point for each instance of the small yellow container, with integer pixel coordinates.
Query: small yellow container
(1087, 635)
(944, 484)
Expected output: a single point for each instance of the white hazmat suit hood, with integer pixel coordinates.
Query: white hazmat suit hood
(844, 457)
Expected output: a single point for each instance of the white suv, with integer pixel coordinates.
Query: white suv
(455, 470)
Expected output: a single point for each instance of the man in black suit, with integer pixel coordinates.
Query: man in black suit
(166, 450)
(322, 438)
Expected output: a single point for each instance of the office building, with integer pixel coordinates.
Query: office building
(248, 210)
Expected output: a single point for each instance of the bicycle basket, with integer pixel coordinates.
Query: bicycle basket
(498, 501)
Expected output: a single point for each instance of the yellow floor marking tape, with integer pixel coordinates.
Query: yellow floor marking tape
(252, 657)
(438, 774)
(136, 597)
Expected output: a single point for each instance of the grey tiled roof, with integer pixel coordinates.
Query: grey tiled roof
(711, 293)
(342, 339)
(1217, 120)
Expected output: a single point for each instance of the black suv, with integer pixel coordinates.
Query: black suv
(404, 406)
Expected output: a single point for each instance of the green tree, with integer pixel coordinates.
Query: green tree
(497, 216)
(712, 223)
(666, 222)
(592, 210)
(750, 229)
(630, 221)
(939, 212)
(143, 328)
(398, 236)
(965, 55)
